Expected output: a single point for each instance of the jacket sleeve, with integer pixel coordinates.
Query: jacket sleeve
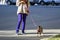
(17, 2)
(28, 3)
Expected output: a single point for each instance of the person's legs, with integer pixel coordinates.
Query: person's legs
(23, 22)
(19, 22)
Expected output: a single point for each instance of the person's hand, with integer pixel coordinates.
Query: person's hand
(22, 2)
(27, 11)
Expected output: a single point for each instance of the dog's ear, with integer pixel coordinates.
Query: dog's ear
(39, 26)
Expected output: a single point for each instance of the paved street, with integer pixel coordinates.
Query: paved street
(46, 16)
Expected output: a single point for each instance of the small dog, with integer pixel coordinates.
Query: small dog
(39, 30)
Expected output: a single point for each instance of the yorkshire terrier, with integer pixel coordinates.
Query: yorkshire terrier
(39, 30)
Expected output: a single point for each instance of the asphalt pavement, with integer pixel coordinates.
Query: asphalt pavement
(46, 16)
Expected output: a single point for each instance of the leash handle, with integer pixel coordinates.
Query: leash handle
(33, 21)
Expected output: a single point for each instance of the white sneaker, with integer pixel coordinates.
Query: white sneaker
(21, 33)
(17, 33)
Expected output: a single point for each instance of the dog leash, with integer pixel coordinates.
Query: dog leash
(33, 21)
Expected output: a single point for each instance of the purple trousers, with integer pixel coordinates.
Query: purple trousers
(21, 19)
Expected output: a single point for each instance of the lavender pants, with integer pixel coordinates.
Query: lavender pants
(21, 19)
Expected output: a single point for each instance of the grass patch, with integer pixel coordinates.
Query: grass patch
(57, 37)
(54, 39)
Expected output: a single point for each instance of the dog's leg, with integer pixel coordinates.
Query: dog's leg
(40, 34)
(37, 34)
